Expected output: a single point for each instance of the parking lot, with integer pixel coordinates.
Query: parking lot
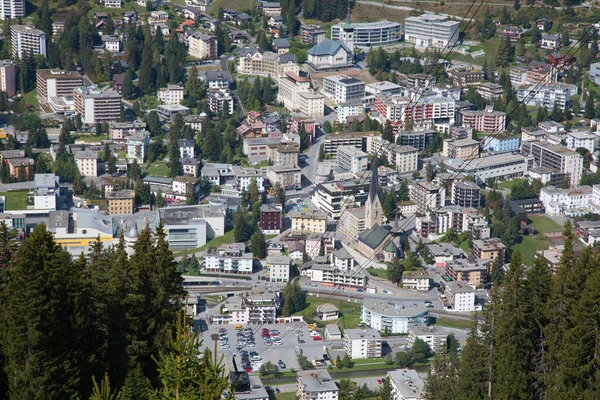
(285, 352)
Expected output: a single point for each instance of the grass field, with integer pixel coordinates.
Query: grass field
(238, 5)
(453, 323)
(529, 245)
(92, 139)
(350, 312)
(159, 168)
(543, 223)
(286, 396)
(509, 184)
(379, 272)
(31, 98)
(16, 200)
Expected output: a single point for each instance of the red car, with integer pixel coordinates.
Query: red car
(379, 381)
(316, 338)
(265, 334)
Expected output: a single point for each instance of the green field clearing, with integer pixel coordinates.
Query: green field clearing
(543, 223)
(16, 200)
(529, 245)
(228, 237)
(159, 168)
(509, 184)
(378, 272)
(92, 139)
(31, 98)
(453, 323)
(238, 5)
(350, 312)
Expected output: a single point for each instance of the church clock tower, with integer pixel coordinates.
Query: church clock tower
(348, 32)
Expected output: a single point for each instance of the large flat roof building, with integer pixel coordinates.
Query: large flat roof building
(25, 38)
(56, 83)
(430, 30)
(370, 34)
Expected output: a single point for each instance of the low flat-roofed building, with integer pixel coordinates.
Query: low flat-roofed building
(362, 343)
(489, 249)
(333, 332)
(443, 252)
(460, 295)
(316, 385)
(394, 317)
(120, 202)
(406, 384)
(472, 270)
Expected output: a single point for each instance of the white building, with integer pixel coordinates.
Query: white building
(427, 195)
(96, 106)
(430, 30)
(137, 146)
(404, 158)
(113, 3)
(352, 159)
(112, 43)
(362, 343)
(595, 73)
(371, 33)
(343, 88)
(172, 94)
(25, 38)
(461, 296)
(220, 101)
(557, 158)
(278, 268)
(229, 258)
(395, 317)
(406, 384)
(316, 385)
(202, 46)
(12, 9)
(351, 109)
(45, 191)
(187, 148)
(547, 95)
(88, 163)
(434, 336)
(578, 139)
(572, 201)
(296, 95)
(330, 54)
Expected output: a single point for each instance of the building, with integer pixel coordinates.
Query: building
(489, 249)
(512, 33)
(373, 209)
(355, 108)
(118, 131)
(46, 191)
(416, 280)
(570, 202)
(362, 343)
(490, 91)
(88, 163)
(219, 101)
(120, 202)
(370, 34)
(352, 159)
(8, 77)
(288, 177)
(383, 87)
(427, 196)
(172, 94)
(217, 79)
(393, 317)
(547, 95)
(595, 73)
(472, 270)
(498, 167)
(278, 268)
(330, 55)
(321, 271)
(282, 46)
(111, 43)
(296, 94)
(540, 72)
(334, 197)
(253, 61)
(334, 141)
(284, 153)
(461, 296)
(229, 258)
(189, 227)
(343, 88)
(25, 39)
(557, 158)
(576, 139)
(55, 88)
(202, 46)
(550, 42)
(501, 143)
(168, 111)
(12, 9)
(311, 34)
(406, 384)
(467, 149)
(77, 230)
(430, 30)
(423, 112)
(270, 219)
(95, 106)
(418, 139)
(462, 76)
(328, 312)
(316, 385)
(486, 120)
(137, 146)
(518, 75)
(466, 194)
(308, 221)
(434, 336)
(183, 185)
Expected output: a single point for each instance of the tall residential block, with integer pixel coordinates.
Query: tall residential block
(8, 79)
(12, 9)
(56, 83)
(96, 106)
(430, 30)
(25, 39)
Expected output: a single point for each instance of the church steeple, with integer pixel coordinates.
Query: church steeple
(348, 31)
(373, 209)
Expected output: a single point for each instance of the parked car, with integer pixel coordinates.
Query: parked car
(281, 364)
(379, 381)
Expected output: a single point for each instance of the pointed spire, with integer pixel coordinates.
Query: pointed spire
(374, 188)
(348, 21)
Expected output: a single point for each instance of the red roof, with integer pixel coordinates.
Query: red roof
(297, 78)
(188, 22)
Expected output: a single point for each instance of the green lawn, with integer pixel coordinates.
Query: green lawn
(92, 139)
(464, 246)
(286, 396)
(509, 184)
(543, 223)
(148, 102)
(234, 4)
(379, 272)
(159, 168)
(350, 312)
(31, 98)
(529, 245)
(16, 200)
(228, 237)
(453, 323)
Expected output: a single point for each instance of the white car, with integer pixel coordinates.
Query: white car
(225, 346)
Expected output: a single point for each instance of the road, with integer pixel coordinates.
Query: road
(311, 160)
(6, 187)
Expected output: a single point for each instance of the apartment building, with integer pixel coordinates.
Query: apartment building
(383, 87)
(46, 191)
(311, 34)
(343, 88)
(467, 149)
(270, 219)
(262, 308)
(595, 73)
(20, 169)
(88, 163)
(55, 88)
(501, 143)
(362, 343)
(137, 146)
(316, 385)
(394, 317)
(25, 39)
(8, 77)
(96, 106)
(220, 101)
(540, 72)
(253, 61)
(120, 202)
(435, 336)
(308, 221)
(576, 139)
(550, 42)
(329, 276)
(489, 249)
(278, 268)
(518, 75)
(512, 33)
(120, 130)
(352, 159)
(547, 95)
(406, 384)
(557, 158)
(490, 91)
(334, 141)
(461, 76)
(287, 176)
(461, 296)
(229, 258)
(296, 94)
(426, 111)
(466, 194)
(12, 9)
(427, 195)
(472, 270)
(370, 34)
(172, 94)
(430, 30)
(403, 158)
(334, 197)
(571, 202)
(418, 139)
(284, 154)
(202, 46)
(486, 120)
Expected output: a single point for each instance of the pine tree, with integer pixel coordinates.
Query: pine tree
(321, 153)
(253, 190)
(388, 132)
(258, 245)
(473, 377)
(128, 89)
(589, 109)
(557, 114)
(441, 377)
(429, 171)
(241, 228)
